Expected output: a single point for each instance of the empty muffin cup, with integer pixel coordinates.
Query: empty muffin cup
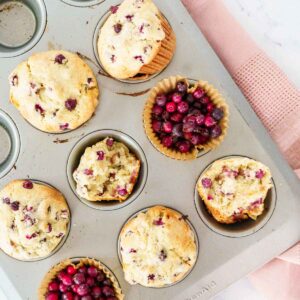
(10, 143)
(22, 25)
(242, 228)
(92, 139)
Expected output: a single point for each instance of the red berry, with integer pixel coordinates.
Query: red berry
(83, 289)
(183, 107)
(53, 286)
(52, 296)
(198, 93)
(184, 146)
(92, 271)
(171, 107)
(200, 119)
(161, 100)
(71, 270)
(167, 127)
(210, 107)
(70, 104)
(63, 288)
(209, 121)
(176, 117)
(176, 97)
(204, 100)
(156, 125)
(206, 182)
(96, 292)
(167, 141)
(157, 110)
(67, 296)
(79, 278)
(90, 281)
(27, 184)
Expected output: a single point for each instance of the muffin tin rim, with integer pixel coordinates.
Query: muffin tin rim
(142, 210)
(198, 203)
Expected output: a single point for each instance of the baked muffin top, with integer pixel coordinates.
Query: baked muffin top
(157, 247)
(54, 90)
(235, 188)
(107, 171)
(33, 219)
(130, 38)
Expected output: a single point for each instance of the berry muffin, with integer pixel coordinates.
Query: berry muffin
(234, 189)
(107, 171)
(157, 247)
(54, 91)
(34, 218)
(136, 40)
(82, 278)
(183, 118)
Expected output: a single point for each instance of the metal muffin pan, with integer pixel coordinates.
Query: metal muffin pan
(144, 210)
(94, 233)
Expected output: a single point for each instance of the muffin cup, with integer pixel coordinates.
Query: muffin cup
(165, 53)
(52, 273)
(167, 85)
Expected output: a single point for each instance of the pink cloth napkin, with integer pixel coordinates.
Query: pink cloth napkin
(275, 100)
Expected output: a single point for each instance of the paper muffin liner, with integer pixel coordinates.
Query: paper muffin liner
(53, 272)
(165, 53)
(167, 85)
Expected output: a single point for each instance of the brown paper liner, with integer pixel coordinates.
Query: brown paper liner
(167, 85)
(52, 273)
(165, 53)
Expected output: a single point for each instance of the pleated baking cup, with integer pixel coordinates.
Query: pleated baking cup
(78, 262)
(168, 85)
(165, 53)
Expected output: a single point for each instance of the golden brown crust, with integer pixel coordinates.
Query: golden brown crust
(41, 81)
(53, 272)
(167, 85)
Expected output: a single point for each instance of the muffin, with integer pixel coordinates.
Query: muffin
(107, 171)
(157, 247)
(34, 219)
(234, 189)
(135, 41)
(54, 91)
(183, 118)
(82, 278)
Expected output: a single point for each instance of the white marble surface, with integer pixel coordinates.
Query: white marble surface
(275, 27)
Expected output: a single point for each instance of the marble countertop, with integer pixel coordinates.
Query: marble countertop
(275, 27)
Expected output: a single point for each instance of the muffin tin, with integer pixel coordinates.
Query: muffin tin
(94, 232)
